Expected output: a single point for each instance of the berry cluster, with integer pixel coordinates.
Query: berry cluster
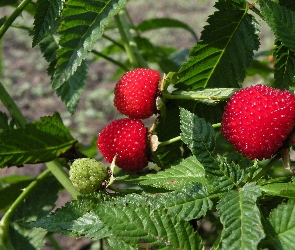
(258, 119)
(127, 138)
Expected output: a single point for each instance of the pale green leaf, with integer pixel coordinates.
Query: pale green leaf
(177, 176)
(83, 22)
(225, 50)
(240, 217)
(286, 190)
(281, 20)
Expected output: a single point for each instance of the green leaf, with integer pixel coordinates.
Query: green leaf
(38, 142)
(158, 23)
(225, 50)
(4, 122)
(136, 225)
(47, 11)
(281, 20)
(282, 220)
(83, 23)
(284, 66)
(199, 136)
(240, 216)
(177, 176)
(286, 190)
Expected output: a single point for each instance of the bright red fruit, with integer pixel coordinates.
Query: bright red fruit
(258, 119)
(126, 138)
(136, 92)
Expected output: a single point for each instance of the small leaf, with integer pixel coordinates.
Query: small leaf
(282, 220)
(240, 217)
(225, 50)
(38, 142)
(281, 20)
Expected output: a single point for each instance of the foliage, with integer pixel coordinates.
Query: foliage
(195, 176)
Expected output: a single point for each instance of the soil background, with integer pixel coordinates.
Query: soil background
(25, 78)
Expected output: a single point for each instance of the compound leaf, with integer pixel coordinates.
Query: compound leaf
(199, 136)
(37, 142)
(225, 50)
(284, 66)
(83, 22)
(240, 216)
(282, 220)
(281, 20)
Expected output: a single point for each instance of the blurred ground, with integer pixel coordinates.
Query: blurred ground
(25, 77)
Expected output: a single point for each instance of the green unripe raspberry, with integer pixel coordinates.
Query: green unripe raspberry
(87, 175)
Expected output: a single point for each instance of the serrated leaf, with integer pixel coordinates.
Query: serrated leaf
(282, 220)
(281, 20)
(47, 11)
(157, 23)
(83, 23)
(136, 225)
(240, 216)
(177, 176)
(207, 96)
(199, 136)
(37, 142)
(284, 66)
(286, 190)
(225, 50)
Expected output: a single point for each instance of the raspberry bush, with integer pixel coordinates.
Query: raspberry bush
(201, 156)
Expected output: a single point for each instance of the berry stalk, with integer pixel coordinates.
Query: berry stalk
(135, 58)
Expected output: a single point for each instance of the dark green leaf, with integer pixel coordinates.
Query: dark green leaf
(281, 20)
(225, 50)
(284, 66)
(240, 216)
(157, 23)
(7, 2)
(38, 142)
(83, 23)
(47, 11)
(282, 220)
(199, 136)
(141, 226)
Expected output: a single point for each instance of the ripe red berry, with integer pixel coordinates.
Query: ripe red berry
(258, 119)
(126, 138)
(136, 92)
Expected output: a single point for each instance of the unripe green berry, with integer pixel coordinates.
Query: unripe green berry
(87, 175)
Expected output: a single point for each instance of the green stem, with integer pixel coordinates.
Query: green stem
(265, 169)
(60, 174)
(135, 58)
(13, 16)
(5, 221)
(110, 59)
(113, 41)
(191, 96)
(12, 107)
(53, 242)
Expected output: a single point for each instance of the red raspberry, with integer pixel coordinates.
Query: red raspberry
(135, 93)
(258, 119)
(126, 138)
